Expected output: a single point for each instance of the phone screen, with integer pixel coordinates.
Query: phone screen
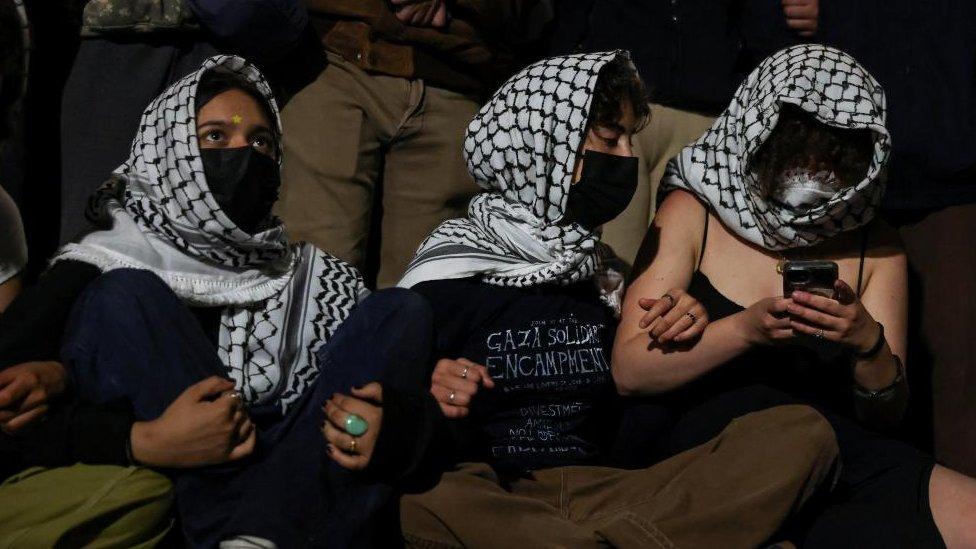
(816, 277)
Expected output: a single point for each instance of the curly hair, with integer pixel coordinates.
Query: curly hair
(618, 81)
(801, 141)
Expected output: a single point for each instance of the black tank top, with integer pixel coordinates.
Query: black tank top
(811, 370)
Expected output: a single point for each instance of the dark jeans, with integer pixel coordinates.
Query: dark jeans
(881, 498)
(131, 337)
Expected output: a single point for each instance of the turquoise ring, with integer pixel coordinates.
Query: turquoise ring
(356, 425)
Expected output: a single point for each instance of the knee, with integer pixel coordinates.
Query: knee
(808, 425)
(119, 287)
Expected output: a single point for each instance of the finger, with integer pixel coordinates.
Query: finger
(845, 294)
(443, 395)
(483, 376)
(244, 429)
(695, 330)
(209, 388)
(800, 11)
(339, 438)
(440, 17)
(335, 414)
(453, 412)
(818, 303)
(679, 326)
(782, 334)
(33, 399)
(361, 408)
(7, 415)
(457, 384)
(646, 303)
(815, 317)
(12, 395)
(23, 420)
(816, 331)
(661, 307)
(371, 392)
(245, 448)
(353, 463)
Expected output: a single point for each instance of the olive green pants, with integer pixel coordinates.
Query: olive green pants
(350, 137)
(85, 506)
(733, 491)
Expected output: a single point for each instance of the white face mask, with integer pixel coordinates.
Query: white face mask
(799, 189)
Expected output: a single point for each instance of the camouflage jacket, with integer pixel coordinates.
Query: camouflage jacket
(103, 17)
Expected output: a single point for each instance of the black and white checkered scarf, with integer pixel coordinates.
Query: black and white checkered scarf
(281, 301)
(521, 148)
(832, 87)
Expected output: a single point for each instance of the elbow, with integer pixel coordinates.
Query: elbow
(633, 380)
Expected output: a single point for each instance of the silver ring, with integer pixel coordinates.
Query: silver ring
(819, 334)
(451, 396)
(670, 297)
(464, 373)
(693, 318)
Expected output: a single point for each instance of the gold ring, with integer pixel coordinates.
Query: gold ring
(352, 445)
(819, 334)
(464, 373)
(451, 396)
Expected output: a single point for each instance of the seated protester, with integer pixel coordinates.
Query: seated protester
(192, 308)
(793, 171)
(519, 291)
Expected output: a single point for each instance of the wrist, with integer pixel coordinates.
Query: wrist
(141, 439)
(871, 342)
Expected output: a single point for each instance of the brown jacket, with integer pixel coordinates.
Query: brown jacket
(468, 55)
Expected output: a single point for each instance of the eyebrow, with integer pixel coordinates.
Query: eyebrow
(223, 123)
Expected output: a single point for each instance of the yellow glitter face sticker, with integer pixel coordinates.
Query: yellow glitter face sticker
(237, 119)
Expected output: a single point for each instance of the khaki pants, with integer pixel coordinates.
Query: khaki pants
(733, 491)
(351, 134)
(666, 133)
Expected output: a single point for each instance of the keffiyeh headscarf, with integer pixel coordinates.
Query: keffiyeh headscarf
(281, 301)
(522, 148)
(829, 85)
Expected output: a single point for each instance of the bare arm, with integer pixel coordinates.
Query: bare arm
(642, 366)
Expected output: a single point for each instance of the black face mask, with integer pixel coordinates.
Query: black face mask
(604, 190)
(244, 182)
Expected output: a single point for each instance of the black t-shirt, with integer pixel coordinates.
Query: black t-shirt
(547, 348)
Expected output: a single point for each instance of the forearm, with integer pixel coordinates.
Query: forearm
(642, 369)
(876, 374)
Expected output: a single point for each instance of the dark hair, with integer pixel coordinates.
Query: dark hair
(216, 82)
(618, 81)
(801, 141)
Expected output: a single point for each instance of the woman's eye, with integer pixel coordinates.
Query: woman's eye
(214, 135)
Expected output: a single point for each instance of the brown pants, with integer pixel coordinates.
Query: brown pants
(349, 133)
(666, 133)
(942, 256)
(733, 491)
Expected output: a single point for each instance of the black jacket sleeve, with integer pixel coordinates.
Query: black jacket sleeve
(32, 327)
(74, 431)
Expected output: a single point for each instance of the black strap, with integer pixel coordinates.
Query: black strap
(860, 267)
(701, 252)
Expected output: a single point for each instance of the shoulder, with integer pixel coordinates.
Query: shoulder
(678, 207)
(677, 230)
(885, 258)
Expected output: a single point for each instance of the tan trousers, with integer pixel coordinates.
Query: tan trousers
(733, 491)
(351, 134)
(942, 257)
(666, 133)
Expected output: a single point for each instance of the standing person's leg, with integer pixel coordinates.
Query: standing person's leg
(130, 337)
(109, 86)
(942, 256)
(333, 150)
(665, 134)
(425, 180)
(736, 490)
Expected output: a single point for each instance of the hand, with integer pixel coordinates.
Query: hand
(25, 391)
(675, 317)
(421, 13)
(767, 321)
(802, 16)
(205, 425)
(843, 320)
(367, 403)
(454, 384)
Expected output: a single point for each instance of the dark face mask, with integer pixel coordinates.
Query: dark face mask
(604, 190)
(244, 183)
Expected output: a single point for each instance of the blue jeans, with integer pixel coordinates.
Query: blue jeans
(131, 337)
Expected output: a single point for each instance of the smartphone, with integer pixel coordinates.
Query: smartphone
(816, 277)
